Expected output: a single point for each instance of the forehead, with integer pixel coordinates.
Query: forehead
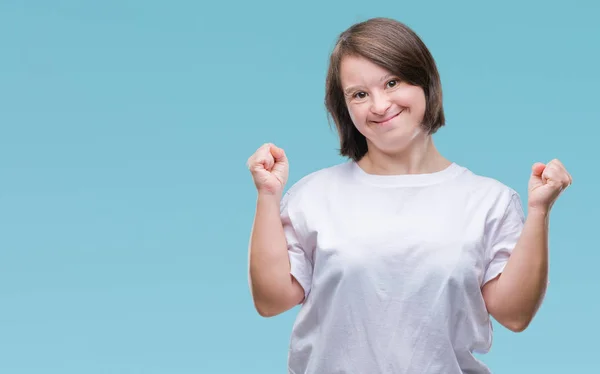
(359, 70)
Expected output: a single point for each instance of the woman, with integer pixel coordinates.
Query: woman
(398, 256)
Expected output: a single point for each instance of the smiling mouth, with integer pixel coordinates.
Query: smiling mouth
(387, 120)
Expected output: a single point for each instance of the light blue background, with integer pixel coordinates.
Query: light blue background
(126, 205)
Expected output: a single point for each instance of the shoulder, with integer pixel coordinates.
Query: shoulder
(483, 184)
(490, 194)
(313, 186)
(316, 180)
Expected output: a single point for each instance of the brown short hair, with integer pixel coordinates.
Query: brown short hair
(395, 47)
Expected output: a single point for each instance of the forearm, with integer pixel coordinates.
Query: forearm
(270, 278)
(521, 286)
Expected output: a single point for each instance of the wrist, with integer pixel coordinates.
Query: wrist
(266, 195)
(537, 211)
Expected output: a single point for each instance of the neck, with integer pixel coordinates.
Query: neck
(421, 158)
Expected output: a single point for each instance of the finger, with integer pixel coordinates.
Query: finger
(537, 169)
(550, 172)
(261, 158)
(258, 156)
(554, 175)
(266, 158)
(278, 154)
(557, 163)
(563, 175)
(566, 177)
(563, 169)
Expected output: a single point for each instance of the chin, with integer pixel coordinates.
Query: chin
(391, 149)
(397, 144)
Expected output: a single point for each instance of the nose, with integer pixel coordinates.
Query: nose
(380, 104)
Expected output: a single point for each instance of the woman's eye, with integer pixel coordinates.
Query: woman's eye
(360, 95)
(392, 83)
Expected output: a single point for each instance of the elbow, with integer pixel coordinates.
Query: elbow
(266, 311)
(275, 303)
(517, 325)
(517, 328)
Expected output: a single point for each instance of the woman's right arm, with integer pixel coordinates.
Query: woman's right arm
(274, 290)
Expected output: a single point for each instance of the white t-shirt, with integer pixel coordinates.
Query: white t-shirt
(392, 268)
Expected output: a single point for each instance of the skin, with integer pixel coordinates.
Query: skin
(274, 290)
(514, 297)
(399, 145)
(389, 112)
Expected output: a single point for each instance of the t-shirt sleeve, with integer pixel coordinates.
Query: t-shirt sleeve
(504, 235)
(301, 267)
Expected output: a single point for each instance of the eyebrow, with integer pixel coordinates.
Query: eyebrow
(348, 90)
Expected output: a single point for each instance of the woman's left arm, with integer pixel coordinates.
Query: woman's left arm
(514, 297)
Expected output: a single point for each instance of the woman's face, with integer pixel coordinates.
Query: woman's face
(387, 111)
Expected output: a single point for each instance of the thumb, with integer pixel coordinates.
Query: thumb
(537, 169)
(277, 153)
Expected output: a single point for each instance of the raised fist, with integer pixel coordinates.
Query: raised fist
(269, 168)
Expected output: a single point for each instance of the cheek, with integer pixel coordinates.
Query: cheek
(411, 97)
(355, 114)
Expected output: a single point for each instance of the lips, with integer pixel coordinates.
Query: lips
(385, 121)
